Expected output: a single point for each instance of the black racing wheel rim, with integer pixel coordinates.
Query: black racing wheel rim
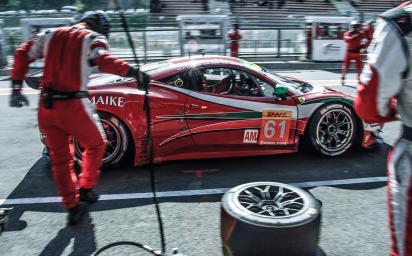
(335, 130)
(271, 200)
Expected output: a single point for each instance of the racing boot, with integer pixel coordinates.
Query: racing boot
(88, 196)
(76, 213)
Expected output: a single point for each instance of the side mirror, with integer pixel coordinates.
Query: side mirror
(280, 90)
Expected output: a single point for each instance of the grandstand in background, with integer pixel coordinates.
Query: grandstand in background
(251, 15)
(269, 32)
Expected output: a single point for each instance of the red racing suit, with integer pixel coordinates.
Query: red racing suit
(70, 54)
(368, 34)
(385, 90)
(353, 41)
(234, 36)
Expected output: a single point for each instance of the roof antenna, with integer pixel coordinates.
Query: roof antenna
(188, 43)
(188, 49)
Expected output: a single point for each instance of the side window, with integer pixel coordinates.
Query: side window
(215, 75)
(175, 80)
(267, 89)
(229, 81)
(245, 85)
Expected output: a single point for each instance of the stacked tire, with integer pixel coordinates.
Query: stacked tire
(268, 218)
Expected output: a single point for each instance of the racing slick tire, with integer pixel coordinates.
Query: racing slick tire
(269, 218)
(117, 147)
(332, 130)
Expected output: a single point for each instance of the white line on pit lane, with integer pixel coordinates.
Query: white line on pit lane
(183, 193)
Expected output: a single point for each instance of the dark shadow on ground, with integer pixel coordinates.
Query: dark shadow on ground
(82, 235)
(195, 174)
(206, 174)
(222, 173)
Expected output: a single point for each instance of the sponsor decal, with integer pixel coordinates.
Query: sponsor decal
(178, 82)
(251, 136)
(301, 100)
(275, 127)
(331, 48)
(276, 114)
(335, 106)
(108, 100)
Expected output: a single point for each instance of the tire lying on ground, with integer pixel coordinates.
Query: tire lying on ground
(332, 129)
(269, 218)
(117, 138)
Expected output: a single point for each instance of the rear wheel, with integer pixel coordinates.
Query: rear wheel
(332, 130)
(117, 141)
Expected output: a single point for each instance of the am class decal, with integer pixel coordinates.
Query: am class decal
(116, 101)
(251, 136)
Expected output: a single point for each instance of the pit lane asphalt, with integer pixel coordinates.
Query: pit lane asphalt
(354, 216)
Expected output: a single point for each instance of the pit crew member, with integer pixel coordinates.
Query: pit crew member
(384, 94)
(353, 39)
(70, 53)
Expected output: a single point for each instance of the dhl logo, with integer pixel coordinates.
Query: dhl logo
(277, 114)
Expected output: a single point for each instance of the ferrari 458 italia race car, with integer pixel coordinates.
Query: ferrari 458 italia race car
(218, 106)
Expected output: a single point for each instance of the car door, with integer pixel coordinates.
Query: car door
(171, 134)
(240, 123)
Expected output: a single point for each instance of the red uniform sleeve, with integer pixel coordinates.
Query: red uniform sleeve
(382, 77)
(366, 103)
(348, 36)
(106, 62)
(22, 61)
(110, 64)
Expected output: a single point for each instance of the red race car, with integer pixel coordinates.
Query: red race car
(217, 106)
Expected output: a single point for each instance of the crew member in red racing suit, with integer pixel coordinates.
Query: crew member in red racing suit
(385, 91)
(64, 109)
(368, 33)
(353, 39)
(234, 36)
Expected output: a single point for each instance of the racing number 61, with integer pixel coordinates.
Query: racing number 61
(270, 128)
(275, 126)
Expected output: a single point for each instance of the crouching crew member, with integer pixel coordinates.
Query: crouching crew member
(70, 53)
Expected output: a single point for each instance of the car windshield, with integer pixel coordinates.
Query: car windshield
(296, 85)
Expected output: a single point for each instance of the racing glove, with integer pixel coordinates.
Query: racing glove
(143, 79)
(17, 99)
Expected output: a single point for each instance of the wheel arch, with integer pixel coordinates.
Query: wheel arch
(359, 122)
(304, 137)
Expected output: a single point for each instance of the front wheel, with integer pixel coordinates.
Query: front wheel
(117, 141)
(332, 129)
